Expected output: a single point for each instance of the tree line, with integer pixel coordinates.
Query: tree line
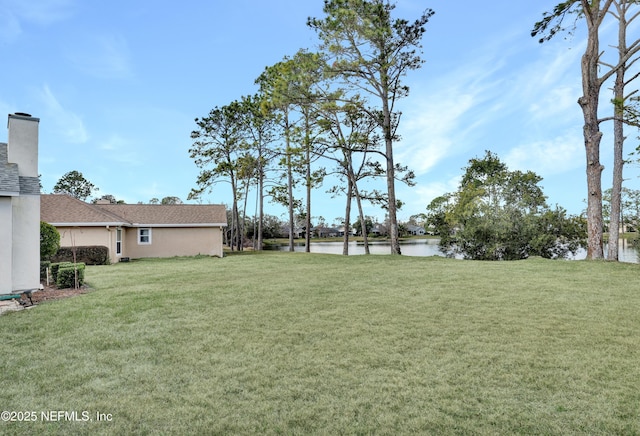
(337, 104)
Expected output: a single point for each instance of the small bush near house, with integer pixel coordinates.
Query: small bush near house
(49, 240)
(66, 277)
(89, 255)
(54, 267)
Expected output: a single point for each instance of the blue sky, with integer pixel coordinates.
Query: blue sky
(117, 86)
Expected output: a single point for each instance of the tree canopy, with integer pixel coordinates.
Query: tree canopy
(73, 183)
(498, 214)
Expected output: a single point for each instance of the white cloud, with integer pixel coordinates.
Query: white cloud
(558, 155)
(66, 123)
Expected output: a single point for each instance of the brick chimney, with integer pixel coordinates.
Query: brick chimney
(21, 208)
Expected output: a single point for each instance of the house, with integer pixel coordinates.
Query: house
(414, 230)
(19, 206)
(137, 230)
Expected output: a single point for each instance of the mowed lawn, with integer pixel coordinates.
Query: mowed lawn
(282, 343)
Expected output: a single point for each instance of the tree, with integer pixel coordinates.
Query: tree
(593, 13)
(216, 149)
(259, 124)
(626, 58)
(74, 184)
(351, 142)
(171, 200)
(108, 197)
(368, 225)
(372, 52)
(275, 83)
(497, 214)
(49, 241)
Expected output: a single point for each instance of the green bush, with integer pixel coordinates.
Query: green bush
(66, 277)
(49, 240)
(89, 255)
(56, 266)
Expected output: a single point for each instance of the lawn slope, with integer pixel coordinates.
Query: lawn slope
(307, 343)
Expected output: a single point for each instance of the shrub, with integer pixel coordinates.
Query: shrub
(56, 266)
(89, 255)
(49, 240)
(67, 276)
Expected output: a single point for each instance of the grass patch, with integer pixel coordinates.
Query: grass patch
(323, 344)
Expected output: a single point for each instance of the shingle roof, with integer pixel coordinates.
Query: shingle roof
(9, 180)
(64, 209)
(171, 214)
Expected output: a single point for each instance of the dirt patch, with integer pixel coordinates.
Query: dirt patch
(52, 293)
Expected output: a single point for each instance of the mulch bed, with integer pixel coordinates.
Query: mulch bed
(50, 293)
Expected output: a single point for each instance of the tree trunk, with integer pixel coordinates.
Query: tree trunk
(289, 182)
(363, 222)
(347, 217)
(307, 236)
(618, 164)
(591, 130)
(391, 177)
(618, 136)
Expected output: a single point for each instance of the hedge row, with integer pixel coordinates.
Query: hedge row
(64, 274)
(89, 255)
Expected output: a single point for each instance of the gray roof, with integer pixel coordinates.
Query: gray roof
(9, 179)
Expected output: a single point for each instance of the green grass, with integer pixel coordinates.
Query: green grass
(284, 343)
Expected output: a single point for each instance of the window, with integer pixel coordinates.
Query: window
(144, 236)
(118, 241)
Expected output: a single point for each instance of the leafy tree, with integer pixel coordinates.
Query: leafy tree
(108, 197)
(275, 87)
(73, 183)
(216, 148)
(498, 214)
(351, 141)
(171, 200)
(49, 241)
(259, 125)
(368, 225)
(372, 52)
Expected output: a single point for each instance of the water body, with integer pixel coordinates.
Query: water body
(424, 247)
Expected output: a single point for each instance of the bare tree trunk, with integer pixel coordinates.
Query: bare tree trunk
(363, 223)
(347, 218)
(589, 103)
(618, 164)
(391, 177)
(289, 182)
(307, 236)
(618, 132)
(260, 200)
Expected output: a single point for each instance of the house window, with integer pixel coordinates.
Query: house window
(118, 241)
(144, 236)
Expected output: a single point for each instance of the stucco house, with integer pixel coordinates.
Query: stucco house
(137, 230)
(19, 206)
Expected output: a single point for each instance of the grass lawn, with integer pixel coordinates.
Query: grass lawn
(282, 343)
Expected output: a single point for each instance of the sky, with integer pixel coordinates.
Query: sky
(117, 86)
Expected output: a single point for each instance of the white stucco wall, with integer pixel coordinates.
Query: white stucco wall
(6, 236)
(26, 245)
(22, 149)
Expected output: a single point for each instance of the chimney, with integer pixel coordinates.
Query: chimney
(22, 150)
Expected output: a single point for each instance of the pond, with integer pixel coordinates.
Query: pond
(423, 247)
